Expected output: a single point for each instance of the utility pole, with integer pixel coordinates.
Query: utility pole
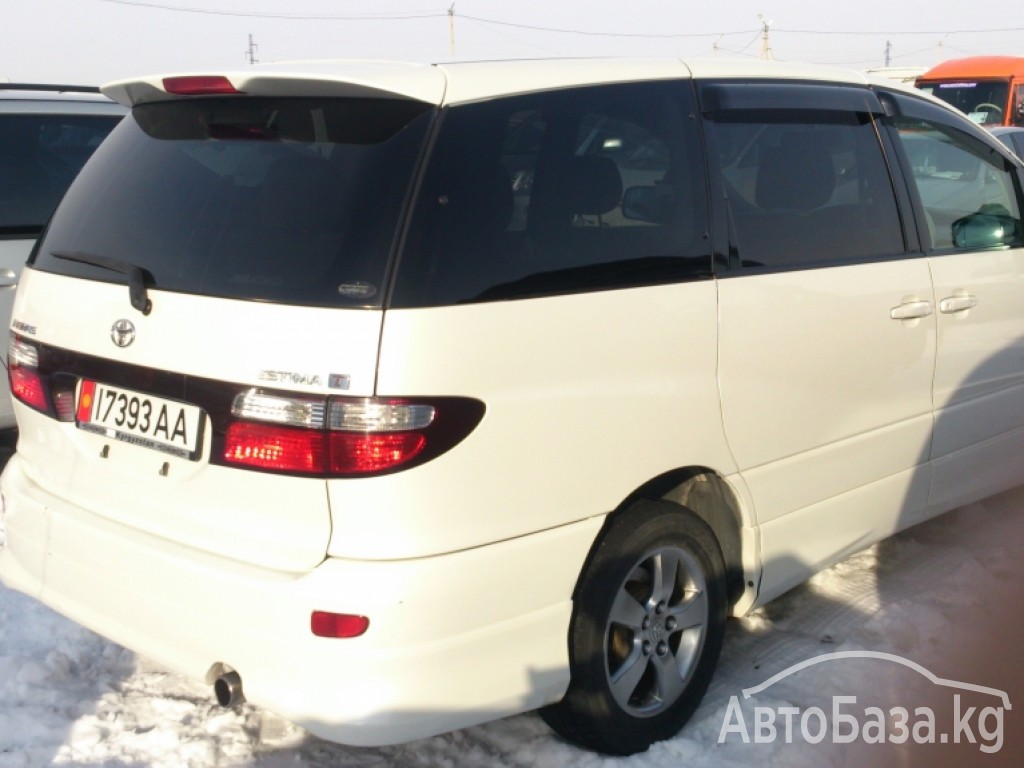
(766, 46)
(451, 29)
(888, 53)
(250, 54)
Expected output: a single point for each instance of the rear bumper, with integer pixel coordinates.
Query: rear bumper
(453, 640)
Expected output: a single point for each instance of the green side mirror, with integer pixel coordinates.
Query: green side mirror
(985, 230)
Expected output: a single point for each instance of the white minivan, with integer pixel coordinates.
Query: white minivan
(407, 397)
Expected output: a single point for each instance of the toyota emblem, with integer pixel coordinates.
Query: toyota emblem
(122, 333)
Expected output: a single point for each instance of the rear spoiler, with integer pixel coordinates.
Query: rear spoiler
(416, 82)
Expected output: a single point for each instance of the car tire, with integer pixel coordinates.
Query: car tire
(646, 630)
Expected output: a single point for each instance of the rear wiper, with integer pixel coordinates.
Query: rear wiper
(136, 275)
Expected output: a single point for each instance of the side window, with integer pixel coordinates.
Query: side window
(805, 187)
(969, 193)
(560, 192)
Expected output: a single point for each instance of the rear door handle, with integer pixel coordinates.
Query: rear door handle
(911, 310)
(952, 304)
(7, 278)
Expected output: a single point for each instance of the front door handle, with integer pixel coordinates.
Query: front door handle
(911, 310)
(952, 304)
(8, 279)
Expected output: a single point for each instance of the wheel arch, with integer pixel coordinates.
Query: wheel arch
(706, 493)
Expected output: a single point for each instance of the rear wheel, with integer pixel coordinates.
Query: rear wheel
(646, 630)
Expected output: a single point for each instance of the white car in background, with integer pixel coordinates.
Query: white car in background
(47, 132)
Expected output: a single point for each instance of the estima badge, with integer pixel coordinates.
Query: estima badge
(122, 332)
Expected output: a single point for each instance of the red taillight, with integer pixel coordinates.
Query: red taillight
(269, 446)
(27, 383)
(199, 85)
(342, 436)
(356, 454)
(27, 386)
(324, 624)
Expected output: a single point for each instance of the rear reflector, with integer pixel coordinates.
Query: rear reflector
(85, 400)
(199, 85)
(324, 624)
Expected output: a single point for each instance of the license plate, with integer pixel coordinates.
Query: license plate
(140, 419)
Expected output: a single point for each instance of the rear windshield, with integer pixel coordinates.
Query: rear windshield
(39, 157)
(983, 101)
(283, 200)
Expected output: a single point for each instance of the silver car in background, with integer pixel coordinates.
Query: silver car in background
(47, 132)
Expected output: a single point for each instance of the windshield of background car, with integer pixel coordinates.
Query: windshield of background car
(39, 157)
(983, 101)
(285, 200)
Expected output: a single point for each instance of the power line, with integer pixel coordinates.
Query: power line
(909, 32)
(595, 33)
(520, 41)
(414, 15)
(398, 16)
(404, 16)
(739, 51)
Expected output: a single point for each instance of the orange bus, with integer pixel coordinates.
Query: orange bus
(989, 89)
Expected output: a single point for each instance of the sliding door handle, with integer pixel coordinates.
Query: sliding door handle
(911, 310)
(952, 304)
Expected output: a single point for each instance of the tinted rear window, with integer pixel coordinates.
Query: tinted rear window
(285, 200)
(39, 157)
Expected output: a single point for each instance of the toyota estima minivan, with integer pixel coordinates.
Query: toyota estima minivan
(398, 398)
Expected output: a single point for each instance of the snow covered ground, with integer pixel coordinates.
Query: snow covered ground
(947, 596)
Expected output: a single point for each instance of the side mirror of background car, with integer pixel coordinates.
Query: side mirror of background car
(985, 230)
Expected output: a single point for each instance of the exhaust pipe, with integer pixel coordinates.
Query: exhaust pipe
(228, 689)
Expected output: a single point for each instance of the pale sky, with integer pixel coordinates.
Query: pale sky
(94, 41)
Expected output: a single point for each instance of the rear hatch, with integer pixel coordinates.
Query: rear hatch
(207, 296)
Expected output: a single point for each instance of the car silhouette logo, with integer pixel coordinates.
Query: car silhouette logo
(122, 333)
